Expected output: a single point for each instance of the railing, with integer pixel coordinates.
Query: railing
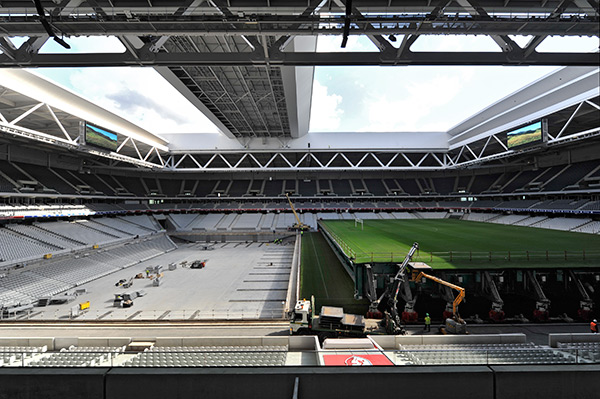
(221, 357)
(521, 256)
(345, 248)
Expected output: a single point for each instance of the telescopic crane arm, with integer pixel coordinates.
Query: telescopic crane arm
(299, 225)
(416, 276)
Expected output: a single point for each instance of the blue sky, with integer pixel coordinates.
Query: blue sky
(346, 99)
(428, 98)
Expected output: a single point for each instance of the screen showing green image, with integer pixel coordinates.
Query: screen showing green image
(526, 135)
(99, 137)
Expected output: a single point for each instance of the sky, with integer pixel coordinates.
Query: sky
(345, 99)
(140, 95)
(419, 98)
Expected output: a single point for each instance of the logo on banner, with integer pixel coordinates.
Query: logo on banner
(357, 361)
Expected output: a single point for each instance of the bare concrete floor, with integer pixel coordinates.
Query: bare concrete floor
(242, 281)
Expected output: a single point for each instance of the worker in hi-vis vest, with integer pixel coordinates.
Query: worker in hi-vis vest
(427, 322)
(594, 326)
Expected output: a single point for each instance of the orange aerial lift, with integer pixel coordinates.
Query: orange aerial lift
(454, 325)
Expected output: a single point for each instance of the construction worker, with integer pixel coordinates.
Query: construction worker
(427, 322)
(594, 326)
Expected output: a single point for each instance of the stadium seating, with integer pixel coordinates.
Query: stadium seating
(591, 228)
(560, 223)
(54, 276)
(14, 246)
(589, 351)
(16, 356)
(480, 217)
(509, 219)
(210, 356)
(247, 221)
(77, 357)
(483, 354)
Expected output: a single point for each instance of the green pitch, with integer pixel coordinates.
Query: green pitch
(459, 244)
(323, 276)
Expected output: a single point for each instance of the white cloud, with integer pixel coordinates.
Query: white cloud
(569, 44)
(327, 44)
(415, 109)
(141, 96)
(82, 45)
(326, 113)
(454, 43)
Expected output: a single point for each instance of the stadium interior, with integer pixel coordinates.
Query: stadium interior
(175, 265)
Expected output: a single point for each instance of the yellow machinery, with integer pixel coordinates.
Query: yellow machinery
(456, 325)
(298, 226)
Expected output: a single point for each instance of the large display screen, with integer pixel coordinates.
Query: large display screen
(526, 135)
(100, 137)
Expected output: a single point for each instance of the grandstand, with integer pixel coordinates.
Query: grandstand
(140, 253)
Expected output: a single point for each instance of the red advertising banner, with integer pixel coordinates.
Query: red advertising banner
(357, 360)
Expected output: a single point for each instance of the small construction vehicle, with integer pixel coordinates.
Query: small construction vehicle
(454, 324)
(198, 264)
(123, 301)
(298, 226)
(332, 322)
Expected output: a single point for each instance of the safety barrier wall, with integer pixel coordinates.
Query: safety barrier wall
(293, 290)
(499, 382)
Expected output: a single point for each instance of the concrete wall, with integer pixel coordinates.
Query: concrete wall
(547, 381)
(435, 382)
(52, 383)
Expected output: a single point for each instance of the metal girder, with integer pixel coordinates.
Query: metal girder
(147, 58)
(494, 148)
(305, 24)
(30, 123)
(573, 124)
(322, 160)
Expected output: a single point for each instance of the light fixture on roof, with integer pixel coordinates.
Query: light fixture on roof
(392, 38)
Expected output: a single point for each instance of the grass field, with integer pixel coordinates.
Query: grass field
(323, 276)
(458, 244)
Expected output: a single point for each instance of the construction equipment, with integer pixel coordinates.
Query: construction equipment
(491, 290)
(123, 301)
(453, 325)
(332, 322)
(198, 264)
(542, 303)
(586, 303)
(298, 226)
(387, 303)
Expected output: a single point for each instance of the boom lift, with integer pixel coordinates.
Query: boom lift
(496, 313)
(454, 325)
(298, 226)
(387, 305)
(586, 303)
(542, 303)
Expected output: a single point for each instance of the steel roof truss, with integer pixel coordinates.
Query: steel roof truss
(60, 125)
(26, 113)
(568, 122)
(347, 160)
(181, 160)
(123, 144)
(411, 163)
(303, 157)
